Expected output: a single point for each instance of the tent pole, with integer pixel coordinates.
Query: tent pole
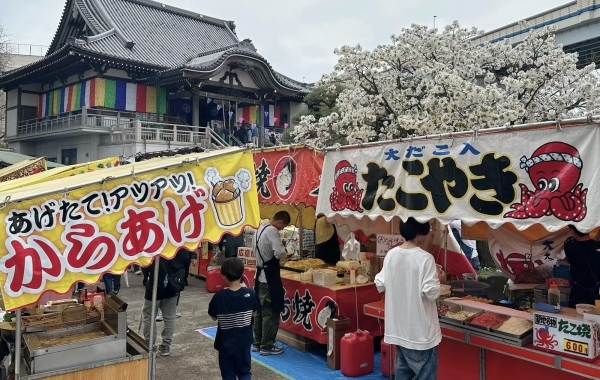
(300, 233)
(18, 346)
(151, 343)
(446, 249)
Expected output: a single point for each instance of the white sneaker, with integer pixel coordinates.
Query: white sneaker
(159, 316)
(177, 314)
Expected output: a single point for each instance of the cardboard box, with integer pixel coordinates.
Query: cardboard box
(194, 267)
(376, 263)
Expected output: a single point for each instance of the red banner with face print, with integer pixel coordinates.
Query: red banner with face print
(288, 176)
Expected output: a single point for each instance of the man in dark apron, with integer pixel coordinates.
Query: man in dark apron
(269, 249)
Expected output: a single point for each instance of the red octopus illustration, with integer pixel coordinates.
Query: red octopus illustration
(554, 169)
(346, 194)
(516, 263)
(544, 339)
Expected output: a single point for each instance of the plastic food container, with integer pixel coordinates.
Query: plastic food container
(584, 308)
(501, 319)
(442, 307)
(541, 294)
(521, 336)
(445, 290)
(592, 316)
(456, 308)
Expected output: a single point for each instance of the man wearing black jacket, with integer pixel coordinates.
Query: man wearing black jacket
(166, 296)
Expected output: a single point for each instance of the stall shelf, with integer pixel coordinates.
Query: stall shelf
(131, 368)
(307, 306)
(468, 355)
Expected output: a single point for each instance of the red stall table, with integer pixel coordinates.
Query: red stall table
(215, 281)
(306, 304)
(468, 355)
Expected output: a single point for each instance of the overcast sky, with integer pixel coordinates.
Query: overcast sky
(298, 36)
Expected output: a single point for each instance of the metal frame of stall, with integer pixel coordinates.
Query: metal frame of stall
(153, 349)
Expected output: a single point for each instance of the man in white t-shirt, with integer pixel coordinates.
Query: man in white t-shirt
(411, 282)
(468, 247)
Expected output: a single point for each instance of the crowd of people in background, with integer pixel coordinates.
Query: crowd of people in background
(246, 134)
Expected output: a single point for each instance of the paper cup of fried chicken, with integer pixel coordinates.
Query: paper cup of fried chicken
(228, 202)
(226, 195)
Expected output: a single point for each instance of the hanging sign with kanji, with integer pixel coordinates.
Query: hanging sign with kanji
(527, 177)
(53, 241)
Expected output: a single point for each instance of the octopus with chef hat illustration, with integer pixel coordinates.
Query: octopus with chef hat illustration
(554, 169)
(227, 195)
(346, 194)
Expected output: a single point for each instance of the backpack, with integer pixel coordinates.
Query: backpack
(176, 280)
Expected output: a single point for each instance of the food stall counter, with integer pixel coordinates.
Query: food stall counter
(470, 355)
(307, 306)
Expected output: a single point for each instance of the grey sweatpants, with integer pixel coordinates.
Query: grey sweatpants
(169, 308)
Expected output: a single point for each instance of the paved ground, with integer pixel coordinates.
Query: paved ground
(192, 355)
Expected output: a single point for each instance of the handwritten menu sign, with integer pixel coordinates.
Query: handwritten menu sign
(247, 256)
(387, 242)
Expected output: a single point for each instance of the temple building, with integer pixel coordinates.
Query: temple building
(127, 76)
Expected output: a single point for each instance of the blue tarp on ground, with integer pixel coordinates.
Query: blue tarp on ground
(306, 365)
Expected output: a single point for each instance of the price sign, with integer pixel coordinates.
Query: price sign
(566, 335)
(246, 255)
(387, 242)
(575, 347)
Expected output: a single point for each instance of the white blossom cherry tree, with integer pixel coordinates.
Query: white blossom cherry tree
(427, 81)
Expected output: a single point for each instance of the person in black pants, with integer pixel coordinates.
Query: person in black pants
(191, 257)
(233, 308)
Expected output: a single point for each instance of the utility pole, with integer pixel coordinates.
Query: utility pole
(434, 22)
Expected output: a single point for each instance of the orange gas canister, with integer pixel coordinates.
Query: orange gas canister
(388, 358)
(214, 280)
(356, 354)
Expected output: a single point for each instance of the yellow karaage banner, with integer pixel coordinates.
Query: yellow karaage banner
(56, 235)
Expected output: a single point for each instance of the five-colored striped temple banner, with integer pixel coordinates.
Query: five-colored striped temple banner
(100, 92)
(251, 115)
